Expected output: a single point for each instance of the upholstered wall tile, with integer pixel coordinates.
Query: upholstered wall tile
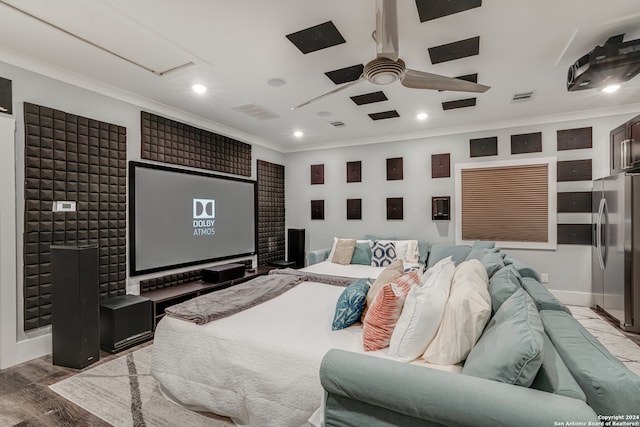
(271, 236)
(69, 157)
(168, 141)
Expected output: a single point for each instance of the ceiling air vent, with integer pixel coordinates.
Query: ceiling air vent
(337, 124)
(256, 111)
(523, 97)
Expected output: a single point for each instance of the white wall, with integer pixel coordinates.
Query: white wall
(569, 266)
(100, 103)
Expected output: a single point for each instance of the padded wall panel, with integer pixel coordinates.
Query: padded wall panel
(271, 235)
(170, 280)
(69, 157)
(168, 141)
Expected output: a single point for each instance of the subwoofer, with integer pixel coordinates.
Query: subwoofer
(75, 309)
(295, 246)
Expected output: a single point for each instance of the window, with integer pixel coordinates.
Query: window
(510, 202)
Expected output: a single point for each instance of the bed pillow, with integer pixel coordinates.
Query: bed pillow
(344, 251)
(350, 304)
(388, 275)
(361, 253)
(382, 316)
(421, 315)
(511, 347)
(382, 253)
(465, 315)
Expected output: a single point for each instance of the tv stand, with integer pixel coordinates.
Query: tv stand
(166, 297)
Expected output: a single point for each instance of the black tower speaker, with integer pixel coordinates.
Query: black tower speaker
(295, 248)
(75, 306)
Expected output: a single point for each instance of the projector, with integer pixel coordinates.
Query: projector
(615, 62)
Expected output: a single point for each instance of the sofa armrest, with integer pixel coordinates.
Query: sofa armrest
(445, 398)
(319, 255)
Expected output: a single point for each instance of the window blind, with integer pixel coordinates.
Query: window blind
(508, 203)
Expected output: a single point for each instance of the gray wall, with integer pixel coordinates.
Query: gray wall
(569, 267)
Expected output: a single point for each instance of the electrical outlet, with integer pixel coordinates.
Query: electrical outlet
(544, 277)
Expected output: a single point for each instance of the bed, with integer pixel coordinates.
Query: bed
(259, 366)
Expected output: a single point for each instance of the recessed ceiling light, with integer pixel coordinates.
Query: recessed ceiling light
(422, 116)
(298, 134)
(276, 82)
(197, 88)
(611, 88)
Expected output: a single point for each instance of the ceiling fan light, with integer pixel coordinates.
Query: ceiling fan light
(422, 116)
(611, 88)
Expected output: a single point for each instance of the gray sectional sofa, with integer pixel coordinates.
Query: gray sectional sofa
(577, 383)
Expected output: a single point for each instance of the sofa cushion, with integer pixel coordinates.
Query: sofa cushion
(554, 376)
(479, 253)
(492, 262)
(523, 269)
(465, 315)
(361, 253)
(541, 296)
(510, 349)
(350, 304)
(421, 315)
(611, 388)
(458, 253)
(502, 285)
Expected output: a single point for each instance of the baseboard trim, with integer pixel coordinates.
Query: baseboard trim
(584, 299)
(32, 348)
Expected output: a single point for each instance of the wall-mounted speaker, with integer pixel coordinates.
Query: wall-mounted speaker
(440, 208)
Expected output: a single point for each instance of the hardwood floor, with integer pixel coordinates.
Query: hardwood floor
(25, 398)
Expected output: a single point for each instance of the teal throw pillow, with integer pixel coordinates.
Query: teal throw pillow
(350, 304)
(492, 262)
(458, 253)
(361, 253)
(510, 349)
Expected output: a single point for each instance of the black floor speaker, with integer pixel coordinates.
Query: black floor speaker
(75, 312)
(295, 246)
(125, 321)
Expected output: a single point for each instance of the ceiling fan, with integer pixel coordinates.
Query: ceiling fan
(387, 67)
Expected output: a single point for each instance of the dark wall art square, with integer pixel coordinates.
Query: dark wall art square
(317, 209)
(441, 165)
(317, 174)
(394, 169)
(6, 99)
(354, 171)
(354, 208)
(395, 208)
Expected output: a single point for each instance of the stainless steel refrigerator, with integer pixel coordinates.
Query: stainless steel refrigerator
(616, 248)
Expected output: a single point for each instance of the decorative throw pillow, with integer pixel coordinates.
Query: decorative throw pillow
(361, 253)
(458, 253)
(492, 262)
(465, 315)
(344, 251)
(511, 348)
(382, 253)
(388, 275)
(350, 304)
(421, 315)
(382, 316)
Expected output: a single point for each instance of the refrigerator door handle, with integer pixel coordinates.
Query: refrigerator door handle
(605, 233)
(599, 234)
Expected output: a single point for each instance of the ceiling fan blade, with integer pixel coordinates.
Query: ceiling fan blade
(421, 80)
(338, 89)
(387, 29)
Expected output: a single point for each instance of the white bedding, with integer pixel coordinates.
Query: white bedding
(260, 367)
(356, 271)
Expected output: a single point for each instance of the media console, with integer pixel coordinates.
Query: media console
(163, 298)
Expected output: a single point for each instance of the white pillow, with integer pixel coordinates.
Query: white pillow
(421, 314)
(465, 315)
(434, 268)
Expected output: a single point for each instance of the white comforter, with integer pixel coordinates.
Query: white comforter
(260, 366)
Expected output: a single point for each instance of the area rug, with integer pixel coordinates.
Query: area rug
(123, 393)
